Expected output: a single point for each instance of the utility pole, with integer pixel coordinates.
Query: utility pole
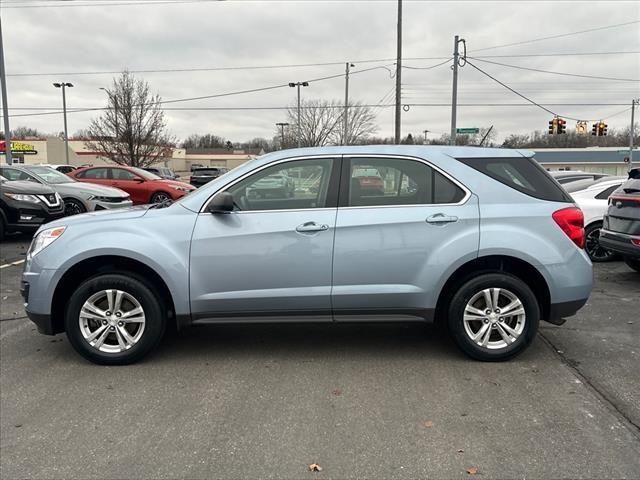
(425, 136)
(282, 125)
(5, 107)
(631, 129)
(299, 84)
(454, 96)
(398, 75)
(345, 140)
(64, 85)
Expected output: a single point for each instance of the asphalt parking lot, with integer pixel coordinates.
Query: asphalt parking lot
(378, 401)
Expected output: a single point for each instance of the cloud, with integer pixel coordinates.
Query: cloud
(237, 33)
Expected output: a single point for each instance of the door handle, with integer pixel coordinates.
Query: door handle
(441, 218)
(311, 227)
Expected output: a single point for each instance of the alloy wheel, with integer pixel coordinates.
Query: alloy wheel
(494, 318)
(72, 207)
(161, 198)
(112, 321)
(593, 247)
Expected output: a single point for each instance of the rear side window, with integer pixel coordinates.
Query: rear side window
(606, 193)
(522, 174)
(96, 173)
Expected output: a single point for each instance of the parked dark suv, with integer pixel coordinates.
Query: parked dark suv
(24, 206)
(200, 176)
(621, 225)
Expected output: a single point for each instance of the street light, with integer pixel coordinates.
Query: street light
(345, 134)
(64, 85)
(114, 99)
(282, 125)
(298, 84)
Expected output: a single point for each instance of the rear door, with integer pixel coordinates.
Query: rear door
(97, 175)
(394, 243)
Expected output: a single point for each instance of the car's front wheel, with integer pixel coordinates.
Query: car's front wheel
(160, 197)
(493, 317)
(73, 207)
(113, 319)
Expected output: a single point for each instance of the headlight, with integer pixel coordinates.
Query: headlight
(182, 189)
(22, 197)
(43, 239)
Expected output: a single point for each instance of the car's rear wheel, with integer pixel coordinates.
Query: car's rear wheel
(73, 207)
(596, 252)
(633, 263)
(113, 319)
(160, 197)
(493, 317)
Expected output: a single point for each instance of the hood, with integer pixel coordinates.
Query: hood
(101, 216)
(92, 188)
(19, 186)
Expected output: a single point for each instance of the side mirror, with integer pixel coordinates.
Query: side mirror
(221, 203)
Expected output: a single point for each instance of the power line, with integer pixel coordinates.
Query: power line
(300, 65)
(538, 104)
(561, 35)
(373, 106)
(558, 73)
(104, 3)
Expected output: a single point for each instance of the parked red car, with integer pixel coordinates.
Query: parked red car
(142, 186)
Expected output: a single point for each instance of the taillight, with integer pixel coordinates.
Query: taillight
(571, 221)
(636, 242)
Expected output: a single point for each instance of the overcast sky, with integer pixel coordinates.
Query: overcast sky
(263, 33)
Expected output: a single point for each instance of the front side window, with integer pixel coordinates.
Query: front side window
(398, 181)
(122, 174)
(94, 173)
(292, 185)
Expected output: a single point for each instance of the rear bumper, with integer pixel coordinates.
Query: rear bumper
(620, 243)
(558, 311)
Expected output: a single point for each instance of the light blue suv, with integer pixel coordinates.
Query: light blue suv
(483, 241)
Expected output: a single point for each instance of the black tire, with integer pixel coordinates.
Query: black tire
(159, 197)
(633, 263)
(154, 312)
(596, 252)
(476, 285)
(73, 207)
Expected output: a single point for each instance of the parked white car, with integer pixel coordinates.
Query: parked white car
(593, 203)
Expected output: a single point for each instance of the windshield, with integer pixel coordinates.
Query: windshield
(49, 175)
(145, 174)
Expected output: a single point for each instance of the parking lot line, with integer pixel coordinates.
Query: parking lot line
(6, 265)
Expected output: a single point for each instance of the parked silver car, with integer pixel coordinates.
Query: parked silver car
(483, 241)
(78, 197)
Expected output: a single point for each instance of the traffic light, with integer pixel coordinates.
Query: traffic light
(552, 126)
(562, 126)
(603, 128)
(599, 129)
(594, 129)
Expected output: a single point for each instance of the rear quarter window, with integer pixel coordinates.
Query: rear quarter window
(522, 174)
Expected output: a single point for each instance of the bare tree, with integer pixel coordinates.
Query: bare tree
(133, 130)
(360, 122)
(23, 132)
(321, 123)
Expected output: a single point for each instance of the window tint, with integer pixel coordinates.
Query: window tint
(397, 181)
(522, 174)
(605, 193)
(122, 174)
(291, 185)
(94, 173)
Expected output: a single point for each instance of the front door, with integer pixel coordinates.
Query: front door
(401, 226)
(271, 256)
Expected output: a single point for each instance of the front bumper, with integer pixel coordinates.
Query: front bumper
(620, 243)
(96, 205)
